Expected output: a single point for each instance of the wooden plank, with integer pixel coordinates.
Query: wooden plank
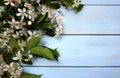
(83, 51)
(100, 1)
(75, 72)
(92, 20)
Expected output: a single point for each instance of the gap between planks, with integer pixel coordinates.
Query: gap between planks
(76, 66)
(93, 34)
(101, 4)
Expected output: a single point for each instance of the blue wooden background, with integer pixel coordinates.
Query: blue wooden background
(90, 45)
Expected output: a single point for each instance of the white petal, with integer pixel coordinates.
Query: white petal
(26, 15)
(19, 53)
(34, 32)
(22, 48)
(11, 64)
(29, 38)
(22, 18)
(9, 22)
(18, 14)
(18, 42)
(12, 4)
(29, 32)
(29, 17)
(29, 12)
(30, 56)
(13, 20)
(60, 26)
(6, 3)
(19, 10)
(5, 69)
(15, 58)
(24, 10)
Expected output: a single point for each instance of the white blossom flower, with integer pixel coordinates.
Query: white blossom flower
(28, 5)
(44, 9)
(13, 69)
(17, 72)
(20, 33)
(13, 23)
(32, 15)
(18, 56)
(16, 34)
(22, 44)
(9, 68)
(52, 16)
(59, 29)
(4, 39)
(1, 68)
(33, 34)
(22, 13)
(4, 43)
(76, 3)
(20, 25)
(7, 2)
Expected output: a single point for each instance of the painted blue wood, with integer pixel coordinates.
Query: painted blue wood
(83, 51)
(92, 20)
(100, 1)
(75, 72)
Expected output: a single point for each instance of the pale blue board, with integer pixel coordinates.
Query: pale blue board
(115, 2)
(75, 72)
(97, 17)
(83, 51)
(92, 20)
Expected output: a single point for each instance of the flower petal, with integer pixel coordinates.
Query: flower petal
(29, 32)
(6, 3)
(18, 14)
(19, 10)
(15, 58)
(24, 10)
(12, 4)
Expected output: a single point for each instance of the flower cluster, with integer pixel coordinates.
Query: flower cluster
(22, 23)
(13, 69)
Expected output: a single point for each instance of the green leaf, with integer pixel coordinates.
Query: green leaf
(43, 52)
(13, 43)
(54, 52)
(67, 3)
(79, 8)
(45, 1)
(29, 75)
(50, 32)
(7, 57)
(46, 25)
(33, 42)
(54, 5)
(41, 18)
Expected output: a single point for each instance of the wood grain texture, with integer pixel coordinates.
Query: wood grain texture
(101, 53)
(92, 20)
(115, 2)
(75, 72)
(83, 51)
